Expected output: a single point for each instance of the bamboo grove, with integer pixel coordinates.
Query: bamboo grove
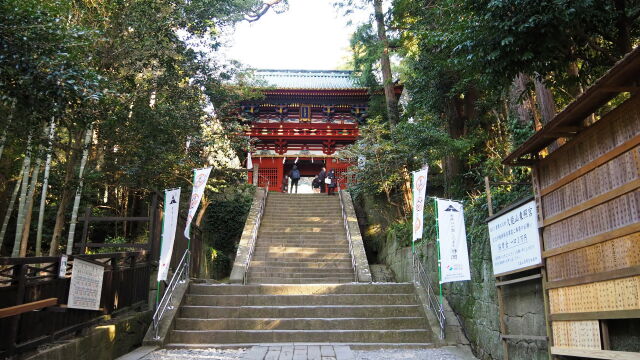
(102, 102)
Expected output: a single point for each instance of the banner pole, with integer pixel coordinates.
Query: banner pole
(164, 215)
(438, 245)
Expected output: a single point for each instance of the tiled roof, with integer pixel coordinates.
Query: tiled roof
(308, 79)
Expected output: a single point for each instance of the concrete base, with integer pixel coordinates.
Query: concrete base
(106, 341)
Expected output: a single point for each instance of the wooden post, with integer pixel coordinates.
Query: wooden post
(503, 326)
(15, 321)
(487, 189)
(256, 170)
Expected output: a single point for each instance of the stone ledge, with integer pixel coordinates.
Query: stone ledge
(242, 255)
(364, 273)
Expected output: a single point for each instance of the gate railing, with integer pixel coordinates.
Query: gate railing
(422, 278)
(254, 232)
(179, 277)
(345, 222)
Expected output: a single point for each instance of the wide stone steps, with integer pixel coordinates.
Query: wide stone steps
(257, 279)
(288, 336)
(382, 323)
(304, 267)
(299, 300)
(314, 257)
(212, 288)
(341, 275)
(326, 264)
(365, 314)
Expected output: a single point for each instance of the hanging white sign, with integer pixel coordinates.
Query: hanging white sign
(169, 226)
(515, 242)
(199, 183)
(454, 256)
(85, 289)
(249, 161)
(419, 191)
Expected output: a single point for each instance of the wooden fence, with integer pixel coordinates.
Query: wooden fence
(128, 279)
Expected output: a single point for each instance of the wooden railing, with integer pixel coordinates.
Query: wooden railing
(29, 280)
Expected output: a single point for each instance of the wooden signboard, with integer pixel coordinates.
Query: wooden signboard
(86, 285)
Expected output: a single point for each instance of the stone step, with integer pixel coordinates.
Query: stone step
(313, 257)
(333, 268)
(287, 336)
(302, 243)
(325, 265)
(202, 286)
(253, 279)
(300, 300)
(299, 247)
(296, 233)
(325, 311)
(274, 235)
(252, 273)
(304, 220)
(379, 323)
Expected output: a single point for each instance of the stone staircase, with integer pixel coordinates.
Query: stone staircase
(300, 290)
(365, 315)
(301, 241)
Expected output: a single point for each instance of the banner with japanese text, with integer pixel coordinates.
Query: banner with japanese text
(419, 192)
(169, 226)
(199, 183)
(454, 257)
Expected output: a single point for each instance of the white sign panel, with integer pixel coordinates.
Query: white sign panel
(419, 191)
(515, 242)
(62, 271)
(454, 257)
(199, 183)
(169, 225)
(86, 285)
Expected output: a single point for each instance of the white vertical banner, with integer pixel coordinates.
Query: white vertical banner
(200, 178)
(454, 257)
(419, 191)
(249, 161)
(169, 226)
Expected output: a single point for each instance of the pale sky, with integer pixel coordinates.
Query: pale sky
(310, 35)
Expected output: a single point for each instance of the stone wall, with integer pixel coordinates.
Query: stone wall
(473, 302)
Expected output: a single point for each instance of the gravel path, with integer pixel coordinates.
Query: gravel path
(184, 354)
(446, 353)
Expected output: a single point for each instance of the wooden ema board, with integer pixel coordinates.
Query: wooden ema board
(616, 128)
(588, 191)
(577, 334)
(614, 214)
(610, 255)
(611, 295)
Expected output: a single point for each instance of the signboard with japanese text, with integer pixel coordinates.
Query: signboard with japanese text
(454, 255)
(515, 242)
(86, 285)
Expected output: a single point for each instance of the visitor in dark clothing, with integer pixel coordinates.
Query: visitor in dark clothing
(295, 177)
(322, 176)
(332, 184)
(285, 183)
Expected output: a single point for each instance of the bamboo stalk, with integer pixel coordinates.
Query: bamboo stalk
(28, 210)
(26, 169)
(45, 185)
(76, 202)
(7, 216)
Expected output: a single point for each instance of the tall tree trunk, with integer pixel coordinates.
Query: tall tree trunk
(545, 102)
(45, 185)
(203, 210)
(623, 26)
(29, 209)
(3, 139)
(65, 196)
(389, 92)
(7, 215)
(76, 202)
(455, 121)
(26, 169)
(521, 102)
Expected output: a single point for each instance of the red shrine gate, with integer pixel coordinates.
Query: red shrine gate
(306, 116)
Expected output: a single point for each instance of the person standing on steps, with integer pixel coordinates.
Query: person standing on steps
(285, 183)
(295, 177)
(321, 177)
(331, 182)
(315, 184)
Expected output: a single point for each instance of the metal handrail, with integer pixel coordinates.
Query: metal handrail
(254, 233)
(422, 278)
(345, 221)
(179, 277)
